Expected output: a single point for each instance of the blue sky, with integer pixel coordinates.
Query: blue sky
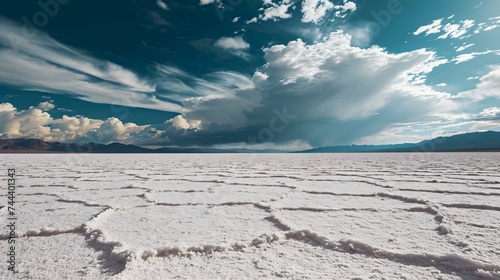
(260, 74)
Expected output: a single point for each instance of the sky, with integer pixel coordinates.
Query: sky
(256, 74)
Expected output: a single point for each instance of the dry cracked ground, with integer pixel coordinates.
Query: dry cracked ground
(244, 216)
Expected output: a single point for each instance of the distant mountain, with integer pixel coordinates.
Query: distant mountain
(477, 141)
(39, 146)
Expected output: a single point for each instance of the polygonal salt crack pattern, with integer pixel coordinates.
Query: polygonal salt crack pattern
(381, 216)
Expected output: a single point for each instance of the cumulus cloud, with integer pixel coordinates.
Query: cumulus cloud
(492, 113)
(36, 122)
(180, 123)
(315, 10)
(46, 106)
(276, 11)
(40, 63)
(324, 93)
(232, 43)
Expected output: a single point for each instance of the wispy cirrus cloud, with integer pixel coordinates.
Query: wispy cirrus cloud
(469, 56)
(44, 64)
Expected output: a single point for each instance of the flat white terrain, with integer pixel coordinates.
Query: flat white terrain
(247, 216)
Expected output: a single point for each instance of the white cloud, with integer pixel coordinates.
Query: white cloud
(488, 86)
(361, 35)
(206, 2)
(180, 123)
(456, 30)
(490, 113)
(464, 47)
(469, 56)
(441, 85)
(253, 20)
(232, 43)
(349, 6)
(276, 11)
(46, 106)
(162, 5)
(35, 122)
(235, 19)
(182, 85)
(343, 10)
(43, 64)
(448, 30)
(434, 27)
(315, 10)
(489, 25)
(337, 93)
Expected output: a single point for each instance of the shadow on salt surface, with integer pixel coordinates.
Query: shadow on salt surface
(454, 199)
(342, 187)
(64, 256)
(219, 194)
(440, 186)
(483, 242)
(98, 185)
(176, 185)
(263, 181)
(396, 231)
(157, 226)
(346, 201)
(44, 190)
(53, 215)
(117, 198)
(480, 229)
(479, 218)
(50, 179)
(108, 177)
(289, 259)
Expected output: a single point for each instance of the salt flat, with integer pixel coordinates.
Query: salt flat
(247, 216)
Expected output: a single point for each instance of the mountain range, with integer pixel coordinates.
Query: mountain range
(477, 141)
